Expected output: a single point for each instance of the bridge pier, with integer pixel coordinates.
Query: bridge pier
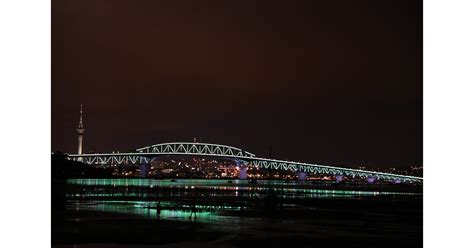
(371, 179)
(302, 176)
(144, 169)
(242, 172)
(242, 166)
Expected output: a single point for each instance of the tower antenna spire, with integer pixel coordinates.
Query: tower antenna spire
(81, 124)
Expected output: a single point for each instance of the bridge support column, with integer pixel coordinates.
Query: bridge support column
(144, 169)
(242, 165)
(302, 176)
(371, 179)
(242, 172)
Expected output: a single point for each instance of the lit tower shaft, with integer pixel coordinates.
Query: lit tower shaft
(80, 133)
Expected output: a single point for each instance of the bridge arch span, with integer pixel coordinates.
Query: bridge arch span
(188, 148)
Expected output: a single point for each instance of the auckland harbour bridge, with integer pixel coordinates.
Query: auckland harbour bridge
(143, 156)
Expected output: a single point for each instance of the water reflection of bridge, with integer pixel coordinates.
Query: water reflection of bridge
(144, 156)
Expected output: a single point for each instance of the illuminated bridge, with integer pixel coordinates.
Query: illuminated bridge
(146, 154)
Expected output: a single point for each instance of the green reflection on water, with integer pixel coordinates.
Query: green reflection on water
(148, 210)
(102, 195)
(287, 189)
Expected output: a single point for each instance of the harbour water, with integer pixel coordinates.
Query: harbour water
(250, 210)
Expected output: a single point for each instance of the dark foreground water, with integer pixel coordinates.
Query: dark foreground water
(237, 213)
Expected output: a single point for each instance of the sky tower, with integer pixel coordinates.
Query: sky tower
(80, 133)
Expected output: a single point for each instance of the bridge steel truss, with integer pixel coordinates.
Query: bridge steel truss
(146, 154)
(195, 149)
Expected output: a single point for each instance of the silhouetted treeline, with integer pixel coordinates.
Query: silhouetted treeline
(63, 169)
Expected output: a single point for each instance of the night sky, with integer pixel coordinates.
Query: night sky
(330, 82)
